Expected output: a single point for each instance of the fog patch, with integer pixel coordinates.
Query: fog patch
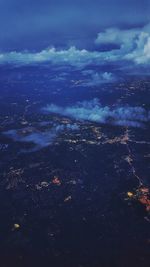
(39, 139)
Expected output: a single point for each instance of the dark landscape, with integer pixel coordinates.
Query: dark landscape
(75, 134)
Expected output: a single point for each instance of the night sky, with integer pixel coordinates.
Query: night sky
(35, 25)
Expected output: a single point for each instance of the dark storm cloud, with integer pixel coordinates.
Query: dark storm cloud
(38, 23)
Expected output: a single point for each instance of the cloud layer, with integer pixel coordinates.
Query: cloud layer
(133, 44)
(71, 56)
(93, 111)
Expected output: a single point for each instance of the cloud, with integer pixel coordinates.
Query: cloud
(98, 78)
(133, 45)
(71, 56)
(38, 138)
(125, 39)
(93, 111)
(141, 55)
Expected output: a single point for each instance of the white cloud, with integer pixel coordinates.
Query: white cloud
(134, 46)
(141, 55)
(124, 38)
(71, 56)
(95, 78)
(94, 111)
